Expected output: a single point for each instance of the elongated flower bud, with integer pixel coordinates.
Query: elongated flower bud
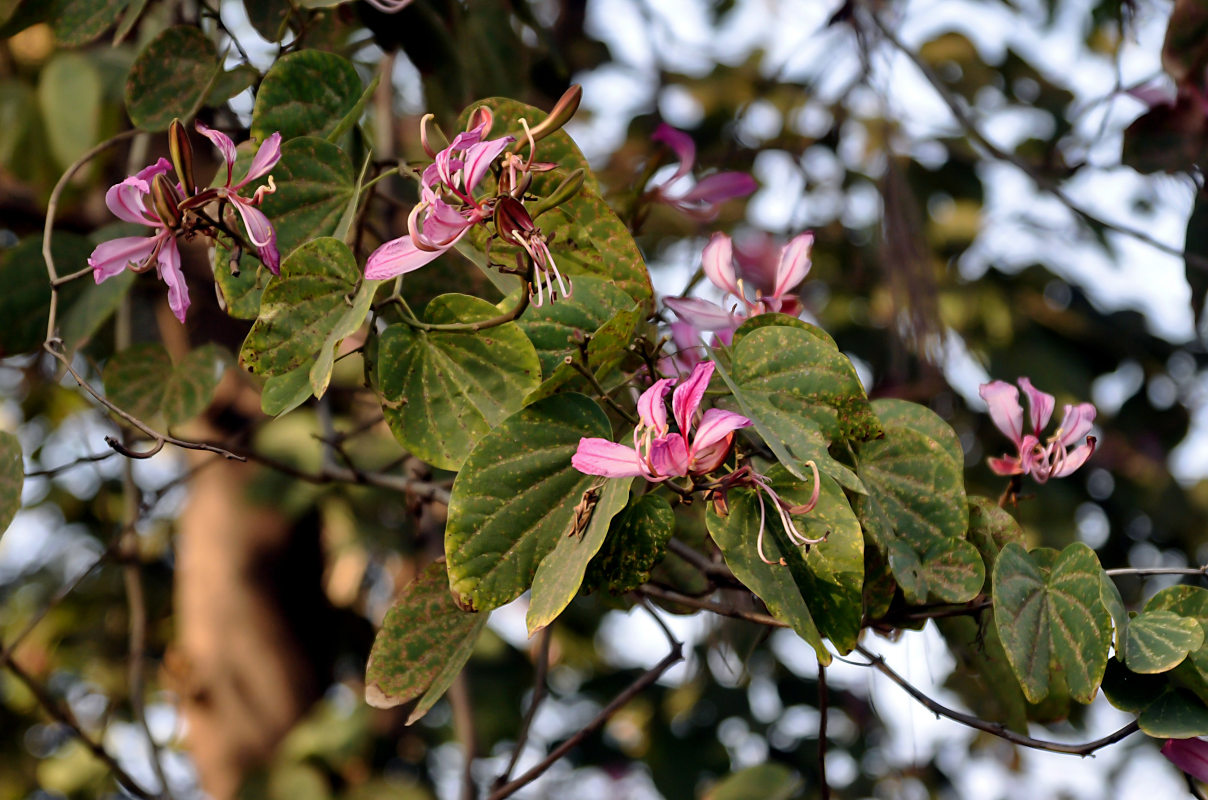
(166, 201)
(182, 156)
(566, 190)
(561, 113)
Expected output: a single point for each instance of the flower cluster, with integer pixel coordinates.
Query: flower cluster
(449, 208)
(658, 452)
(698, 315)
(1065, 451)
(702, 201)
(175, 208)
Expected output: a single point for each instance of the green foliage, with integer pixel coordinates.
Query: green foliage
(307, 93)
(635, 543)
(515, 497)
(560, 574)
(1158, 641)
(315, 183)
(78, 22)
(422, 645)
(306, 312)
(915, 510)
(171, 77)
(70, 97)
(766, 781)
(1051, 620)
(12, 478)
(442, 391)
(143, 380)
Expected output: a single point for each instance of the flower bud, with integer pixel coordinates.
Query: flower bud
(566, 190)
(182, 156)
(561, 113)
(512, 220)
(166, 201)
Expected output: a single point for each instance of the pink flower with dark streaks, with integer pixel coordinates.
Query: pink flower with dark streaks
(703, 200)
(1065, 451)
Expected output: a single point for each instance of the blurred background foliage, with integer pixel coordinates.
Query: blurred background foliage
(949, 247)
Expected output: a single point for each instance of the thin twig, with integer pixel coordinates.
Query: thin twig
(463, 725)
(994, 728)
(1044, 183)
(671, 596)
(591, 378)
(542, 668)
(708, 567)
(62, 714)
(1148, 571)
(633, 690)
(424, 490)
(50, 472)
(823, 708)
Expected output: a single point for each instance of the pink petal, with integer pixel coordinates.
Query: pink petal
(128, 199)
(681, 144)
(707, 459)
(794, 264)
(110, 258)
(602, 457)
(1076, 423)
(260, 233)
(669, 456)
(716, 425)
(1040, 405)
(702, 314)
(1002, 402)
(717, 261)
(719, 187)
(652, 409)
(398, 257)
(443, 225)
(687, 396)
(1189, 755)
(1075, 458)
(478, 159)
(266, 158)
(222, 142)
(1005, 466)
(170, 273)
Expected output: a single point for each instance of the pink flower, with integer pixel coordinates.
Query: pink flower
(260, 231)
(702, 200)
(130, 201)
(1189, 755)
(447, 207)
(717, 261)
(659, 453)
(1053, 458)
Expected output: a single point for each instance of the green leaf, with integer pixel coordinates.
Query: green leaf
(983, 676)
(1129, 691)
(515, 497)
(1176, 714)
(95, 304)
(916, 508)
(269, 17)
(78, 22)
(586, 237)
(230, 83)
(69, 94)
(1190, 602)
(306, 93)
(553, 327)
(284, 393)
(25, 301)
(142, 380)
(819, 593)
(1156, 641)
(170, 77)
(443, 390)
(560, 574)
(1050, 618)
(990, 528)
(424, 642)
(789, 373)
(301, 307)
(239, 294)
(12, 479)
(1109, 595)
(636, 542)
(764, 781)
(315, 182)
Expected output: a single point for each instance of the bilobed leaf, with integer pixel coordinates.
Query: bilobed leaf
(1109, 595)
(916, 508)
(78, 22)
(169, 77)
(1156, 641)
(240, 294)
(424, 642)
(983, 676)
(560, 574)
(515, 497)
(230, 83)
(1051, 620)
(306, 93)
(269, 17)
(143, 380)
(69, 95)
(443, 390)
(586, 237)
(764, 781)
(12, 479)
(1190, 602)
(311, 297)
(990, 529)
(1129, 691)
